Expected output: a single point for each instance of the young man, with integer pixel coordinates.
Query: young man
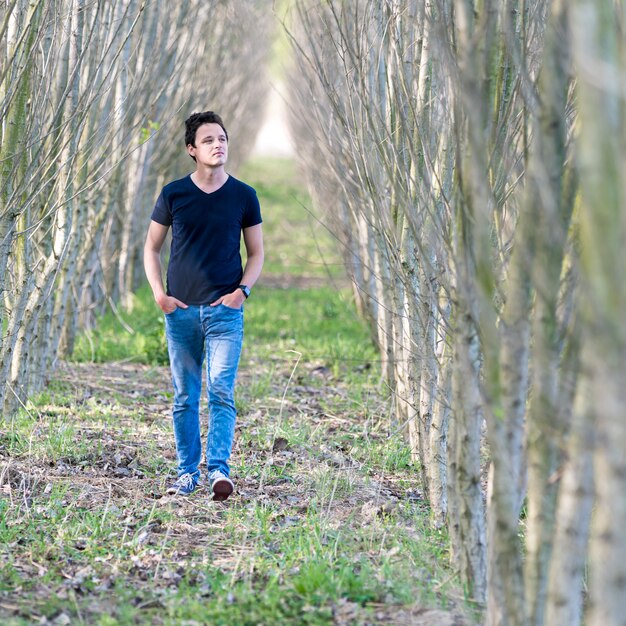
(206, 288)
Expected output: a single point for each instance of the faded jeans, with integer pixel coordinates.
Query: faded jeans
(194, 335)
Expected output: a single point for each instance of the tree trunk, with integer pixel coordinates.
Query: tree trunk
(438, 443)
(545, 431)
(600, 61)
(574, 505)
(12, 157)
(469, 419)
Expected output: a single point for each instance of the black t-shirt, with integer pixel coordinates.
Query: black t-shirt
(205, 263)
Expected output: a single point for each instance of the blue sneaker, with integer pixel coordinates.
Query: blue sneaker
(221, 485)
(183, 485)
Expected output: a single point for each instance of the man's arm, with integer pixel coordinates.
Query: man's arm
(152, 264)
(253, 240)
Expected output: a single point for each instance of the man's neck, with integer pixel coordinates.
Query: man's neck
(209, 178)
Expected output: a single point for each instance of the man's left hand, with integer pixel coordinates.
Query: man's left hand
(232, 300)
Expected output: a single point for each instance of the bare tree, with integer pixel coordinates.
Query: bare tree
(449, 131)
(91, 119)
(600, 61)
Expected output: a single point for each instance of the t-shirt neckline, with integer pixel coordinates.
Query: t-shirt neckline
(209, 194)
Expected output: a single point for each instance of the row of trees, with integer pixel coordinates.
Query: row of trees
(92, 99)
(468, 154)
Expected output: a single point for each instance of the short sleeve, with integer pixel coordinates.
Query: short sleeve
(252, 213)
(161, 212)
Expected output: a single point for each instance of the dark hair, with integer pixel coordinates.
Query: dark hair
(195, 120)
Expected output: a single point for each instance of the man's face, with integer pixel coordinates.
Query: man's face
(211, 147)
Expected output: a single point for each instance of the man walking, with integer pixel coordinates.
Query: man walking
(206, 288)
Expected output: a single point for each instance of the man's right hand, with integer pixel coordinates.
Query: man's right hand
(169, 304)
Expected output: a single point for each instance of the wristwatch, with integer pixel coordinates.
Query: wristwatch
(245, 289)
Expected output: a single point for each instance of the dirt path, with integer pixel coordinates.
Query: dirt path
(116, 528)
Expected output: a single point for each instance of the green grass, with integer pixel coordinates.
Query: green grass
(319, 323)
(297, 241)
(136, 334)
(327, 516)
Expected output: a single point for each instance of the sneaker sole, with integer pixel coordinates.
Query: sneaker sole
(221, 490)
(178, 492)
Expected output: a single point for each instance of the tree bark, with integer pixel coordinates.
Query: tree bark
(438, 443)
(564, 604)
(469, 419)
(600, 62)
(545, 427)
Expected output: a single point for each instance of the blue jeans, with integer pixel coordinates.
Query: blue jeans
(193, 335)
